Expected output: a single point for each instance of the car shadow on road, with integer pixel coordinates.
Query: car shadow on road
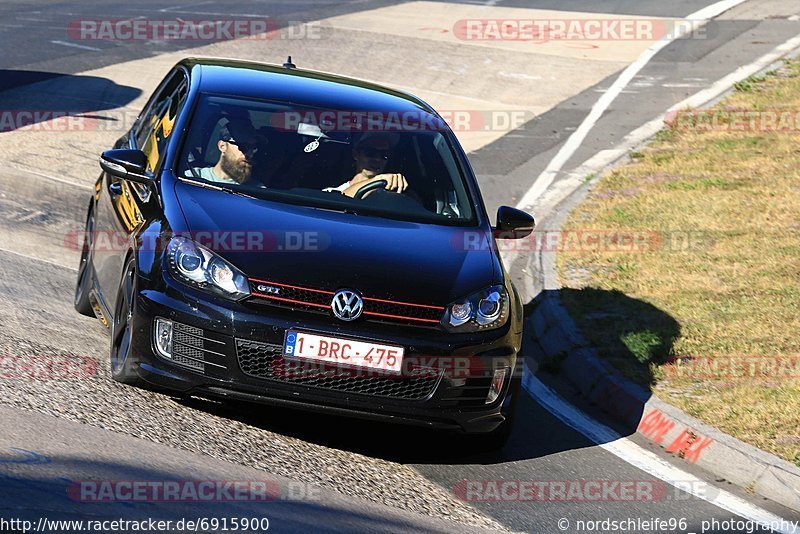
(631, 338)
(630, 334)
(64, 102)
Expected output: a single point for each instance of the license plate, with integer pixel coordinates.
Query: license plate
(343, 351)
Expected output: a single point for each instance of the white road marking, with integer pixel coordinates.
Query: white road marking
(605, 91)
(34, 258)
(218, 14)
(75, 45)
(29, 216)
(519, 75)
(54, 178)
(184, 6)
(574, 141)
(648, 462)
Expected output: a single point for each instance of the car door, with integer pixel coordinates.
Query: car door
(121, 208)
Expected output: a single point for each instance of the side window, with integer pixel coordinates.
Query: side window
(161, 122)
(146, 121)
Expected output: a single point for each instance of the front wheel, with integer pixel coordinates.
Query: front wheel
(122, 328)
(82, 303)
(497, 438)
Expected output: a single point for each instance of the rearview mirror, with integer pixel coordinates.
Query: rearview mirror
(126, 164)
(512, 223)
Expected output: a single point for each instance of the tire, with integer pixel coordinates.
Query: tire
(85, 270)
(122, 329)
(496, 439)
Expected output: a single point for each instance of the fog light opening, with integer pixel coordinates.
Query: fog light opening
(497, 385)
(163, 337)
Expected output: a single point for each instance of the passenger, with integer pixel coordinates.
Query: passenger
(371, 154)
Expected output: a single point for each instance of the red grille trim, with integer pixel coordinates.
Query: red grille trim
(318, 304)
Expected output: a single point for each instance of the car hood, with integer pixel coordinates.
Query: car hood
(316, 248)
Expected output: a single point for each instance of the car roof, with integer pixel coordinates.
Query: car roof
(299, 86)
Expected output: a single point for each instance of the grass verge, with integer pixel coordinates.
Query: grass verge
(705, 307)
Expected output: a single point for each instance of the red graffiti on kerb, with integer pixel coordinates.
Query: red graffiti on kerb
(655, 426)
(689, 445)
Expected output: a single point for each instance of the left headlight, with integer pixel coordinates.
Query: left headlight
(196, 265)
(483, 310)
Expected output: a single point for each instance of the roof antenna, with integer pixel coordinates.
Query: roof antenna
(289, 64)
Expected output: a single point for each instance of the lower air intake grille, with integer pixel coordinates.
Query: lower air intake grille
(198, 349)
(263, 360)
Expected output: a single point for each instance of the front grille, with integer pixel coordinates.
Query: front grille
(264, 360)
(318, 300)
(392, 310)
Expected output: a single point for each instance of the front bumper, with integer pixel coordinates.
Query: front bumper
(224, 349)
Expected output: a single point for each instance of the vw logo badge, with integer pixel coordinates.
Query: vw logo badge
(347, 305)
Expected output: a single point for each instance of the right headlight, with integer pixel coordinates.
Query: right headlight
(483, 310)
(196, 265)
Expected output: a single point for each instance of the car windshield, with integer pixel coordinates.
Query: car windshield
(326, 159)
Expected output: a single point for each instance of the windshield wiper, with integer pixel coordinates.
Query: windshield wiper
(206, 185)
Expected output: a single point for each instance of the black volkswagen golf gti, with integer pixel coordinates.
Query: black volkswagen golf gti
(283, 236)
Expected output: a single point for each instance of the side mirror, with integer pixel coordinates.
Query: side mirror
(512, 223)
(126, 164)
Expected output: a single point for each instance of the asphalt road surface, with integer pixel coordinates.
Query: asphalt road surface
(44, 189)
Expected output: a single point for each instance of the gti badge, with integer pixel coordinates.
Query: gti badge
(347, 305)
(271, 290)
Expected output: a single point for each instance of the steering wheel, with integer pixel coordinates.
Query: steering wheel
(372, 186)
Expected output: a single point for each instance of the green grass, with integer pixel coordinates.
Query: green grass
(750, 84)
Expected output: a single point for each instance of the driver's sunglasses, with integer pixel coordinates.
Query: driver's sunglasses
(371, 152)
(246, 148)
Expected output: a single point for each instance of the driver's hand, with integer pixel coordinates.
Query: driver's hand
(394, 181)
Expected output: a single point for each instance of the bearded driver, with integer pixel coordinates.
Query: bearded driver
(237, 146)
